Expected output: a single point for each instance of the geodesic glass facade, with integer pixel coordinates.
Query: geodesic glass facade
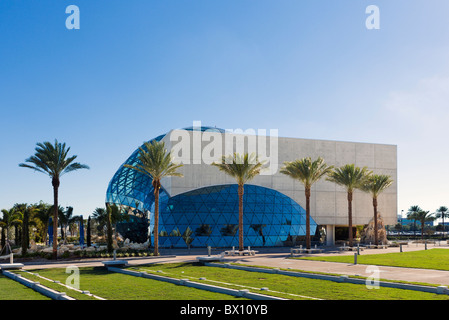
(208, 216)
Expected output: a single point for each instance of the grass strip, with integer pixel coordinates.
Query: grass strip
(12, 290)
(56, 286)
(287, 286)
(435, 259)
(115, 286)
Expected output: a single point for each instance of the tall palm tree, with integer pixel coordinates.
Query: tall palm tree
(53, 159)
(351, 178)
(442, 212)
(155, 162)
(375, 185)
(307, 172)
(10, 218)
(412, 214)
(243, 168)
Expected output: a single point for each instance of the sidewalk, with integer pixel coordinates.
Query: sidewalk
(281, 260)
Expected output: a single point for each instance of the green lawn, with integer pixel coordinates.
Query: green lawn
(437, 259)
(286, 286)
(12, 290)
(115, 286)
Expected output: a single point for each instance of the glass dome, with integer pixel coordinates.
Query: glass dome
(208, 216)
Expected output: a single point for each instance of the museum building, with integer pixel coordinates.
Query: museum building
(200, 209)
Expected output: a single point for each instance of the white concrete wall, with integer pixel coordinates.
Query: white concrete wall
(328, 202)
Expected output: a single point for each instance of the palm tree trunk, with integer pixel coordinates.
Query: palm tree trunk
(350, 218)
(307, 192)
(55, 183)
(240, 192)
(376, 240)
(156, 220)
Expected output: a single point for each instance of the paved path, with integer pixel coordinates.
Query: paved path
(271, 258)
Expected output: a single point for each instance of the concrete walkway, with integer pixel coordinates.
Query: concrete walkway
(280, 257)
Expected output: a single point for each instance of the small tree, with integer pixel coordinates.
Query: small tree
(112, 216)
(10, 218)
(423, 217)
(413, 214)
(442, 212)
(89, 235)
(27, 212)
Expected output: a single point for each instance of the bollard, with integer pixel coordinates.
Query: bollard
(11, 258)
(355, 258)
(425, 245)
(115, 255)
(400, 247)
(208, 251)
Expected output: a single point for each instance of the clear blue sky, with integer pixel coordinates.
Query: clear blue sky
(138, 68)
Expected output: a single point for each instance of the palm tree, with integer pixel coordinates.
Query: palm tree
(307, 172)
(100, 216)
(375, 185)
(442, 212)
(52, 159)
(351, 178)
(112, 217)
(67, 219)
(155, 162)
(243, 168)
(10, 218)
(413, 215)
(43, 214)
(423, 217)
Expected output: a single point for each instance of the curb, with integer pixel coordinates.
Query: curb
(188, 283)
(93, 260)
(36, 286)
